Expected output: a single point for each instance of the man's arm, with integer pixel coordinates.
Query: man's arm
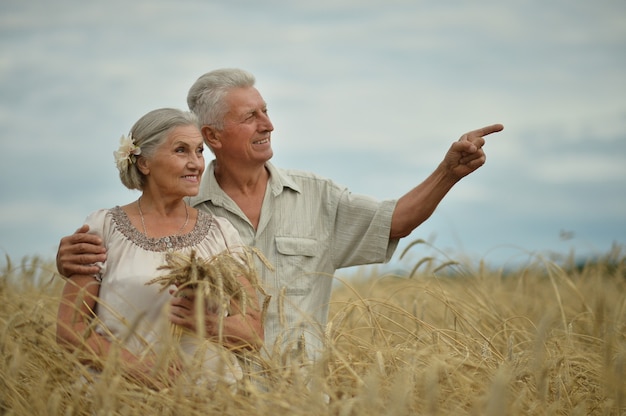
(416, 206)
(78, 253)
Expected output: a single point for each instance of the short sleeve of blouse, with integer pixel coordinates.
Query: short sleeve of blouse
(231, 235)
(98, 225)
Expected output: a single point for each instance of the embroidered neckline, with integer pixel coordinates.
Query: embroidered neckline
(122, 223)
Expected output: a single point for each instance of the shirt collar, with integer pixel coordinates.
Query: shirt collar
(211, 191)
(280, 180)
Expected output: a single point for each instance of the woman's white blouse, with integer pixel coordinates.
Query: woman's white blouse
(128, 308)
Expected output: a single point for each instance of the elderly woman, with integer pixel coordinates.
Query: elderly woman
(163, 158)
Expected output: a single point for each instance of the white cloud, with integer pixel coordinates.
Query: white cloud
(370, 92)
(594, 169)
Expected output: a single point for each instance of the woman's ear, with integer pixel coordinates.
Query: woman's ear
(143, 165)
(211, 136)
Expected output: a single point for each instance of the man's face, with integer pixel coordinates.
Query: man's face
(247, 127)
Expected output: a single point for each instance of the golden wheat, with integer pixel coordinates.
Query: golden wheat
(544, 338)
(215, 280)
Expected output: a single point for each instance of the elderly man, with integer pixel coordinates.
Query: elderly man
(306, 226)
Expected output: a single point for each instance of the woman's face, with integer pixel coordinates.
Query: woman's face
(177, 165)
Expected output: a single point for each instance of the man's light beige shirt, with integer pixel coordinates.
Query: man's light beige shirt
(309, 227)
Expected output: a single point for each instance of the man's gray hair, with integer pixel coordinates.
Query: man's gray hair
(206, 95)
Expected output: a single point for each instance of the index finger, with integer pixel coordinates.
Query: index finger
(494, 128)
(82, 229)
(78, 238)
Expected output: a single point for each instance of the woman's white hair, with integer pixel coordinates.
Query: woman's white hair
(150, 132)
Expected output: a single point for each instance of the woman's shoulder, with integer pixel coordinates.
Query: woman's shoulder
(99, 221)
(99, 216)
(209, 219)
(222, 227)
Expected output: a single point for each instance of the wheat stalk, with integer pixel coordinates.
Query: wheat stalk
(215, 280)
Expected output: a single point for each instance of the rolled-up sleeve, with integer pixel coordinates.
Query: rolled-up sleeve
(362, 228)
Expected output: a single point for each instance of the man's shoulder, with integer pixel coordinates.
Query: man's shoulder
(304, 183)
(301, 176)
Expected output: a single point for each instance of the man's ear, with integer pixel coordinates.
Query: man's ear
(211, 136)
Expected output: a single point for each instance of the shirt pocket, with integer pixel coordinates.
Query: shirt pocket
(298, 258)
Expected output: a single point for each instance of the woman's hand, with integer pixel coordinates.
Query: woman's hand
(142, 370)
(238, 330)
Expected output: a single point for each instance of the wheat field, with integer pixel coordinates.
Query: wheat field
(447, 338)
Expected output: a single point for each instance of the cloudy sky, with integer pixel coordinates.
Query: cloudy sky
(367, 92)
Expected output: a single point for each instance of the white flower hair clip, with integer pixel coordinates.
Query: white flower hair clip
(127, 152)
